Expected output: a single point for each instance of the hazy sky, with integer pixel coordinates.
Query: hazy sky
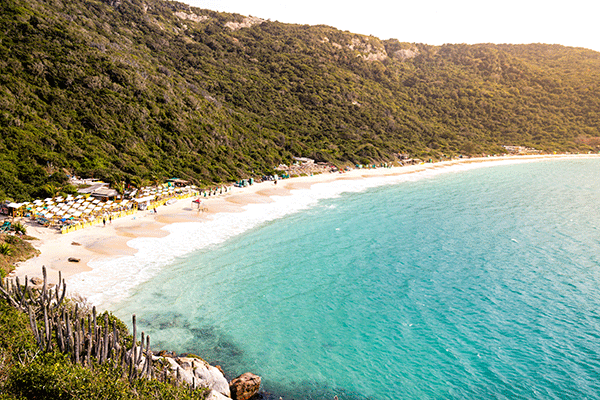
(570, 23)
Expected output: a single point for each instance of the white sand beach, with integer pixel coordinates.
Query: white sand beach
(110, 241)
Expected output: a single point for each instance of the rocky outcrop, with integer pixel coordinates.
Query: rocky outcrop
(244, 386)
(246, 23)
(368, 48)
(406, 54)
(191, 16)
(197, 372)
(214, 395)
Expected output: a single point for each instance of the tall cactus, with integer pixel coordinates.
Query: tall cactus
(76, 331)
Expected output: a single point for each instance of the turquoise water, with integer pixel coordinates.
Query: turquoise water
(477, 284)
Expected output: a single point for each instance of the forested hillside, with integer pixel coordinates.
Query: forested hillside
(132, 90)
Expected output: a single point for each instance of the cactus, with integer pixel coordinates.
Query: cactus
(77, 332)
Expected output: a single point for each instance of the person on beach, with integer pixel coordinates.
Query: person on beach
(104, 220)
(110, 219)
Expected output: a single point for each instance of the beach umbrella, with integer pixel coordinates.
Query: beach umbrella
(59, 199)
(109, 202)
(96, 201)
(79, 197)
(87, 211)
(77, 214)
(69, 197)
(61, 212)
(48, 199)
(97, 208)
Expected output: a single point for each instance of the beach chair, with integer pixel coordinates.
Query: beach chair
(5, 227)
(43, 221)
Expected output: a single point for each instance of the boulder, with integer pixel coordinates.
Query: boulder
(209, 376)
(73, 259)
(197, 372)
(36, 280)
(214, 395)
(244, 386)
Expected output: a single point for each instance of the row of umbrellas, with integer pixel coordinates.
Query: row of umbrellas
(146, 191)
(74, 207)
(78, 206)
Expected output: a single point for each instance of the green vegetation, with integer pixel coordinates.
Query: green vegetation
(14, 249)
(132, 90)
(29, 370)
(19, 228)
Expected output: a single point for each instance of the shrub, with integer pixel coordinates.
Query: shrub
(19, 227)
(11, 239)
(5, 249)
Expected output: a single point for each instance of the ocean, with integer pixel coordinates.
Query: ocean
(475, 281)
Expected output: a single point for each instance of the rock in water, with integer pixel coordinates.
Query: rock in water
(214, 395)
(73, 259)
(244, 386)
(198, 372)
(36, 280)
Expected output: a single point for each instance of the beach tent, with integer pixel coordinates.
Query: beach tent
(14, 208)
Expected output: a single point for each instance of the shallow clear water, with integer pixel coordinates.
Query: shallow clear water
(479, 284)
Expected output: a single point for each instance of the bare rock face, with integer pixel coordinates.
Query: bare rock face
(197, 372)
(214, 395)
(244, 386)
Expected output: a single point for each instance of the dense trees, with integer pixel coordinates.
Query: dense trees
(99, 88)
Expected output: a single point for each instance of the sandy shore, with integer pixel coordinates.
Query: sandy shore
(111, 240)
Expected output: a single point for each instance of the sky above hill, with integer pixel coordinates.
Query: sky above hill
(570, 23)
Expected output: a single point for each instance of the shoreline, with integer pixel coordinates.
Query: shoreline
(107, 244)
